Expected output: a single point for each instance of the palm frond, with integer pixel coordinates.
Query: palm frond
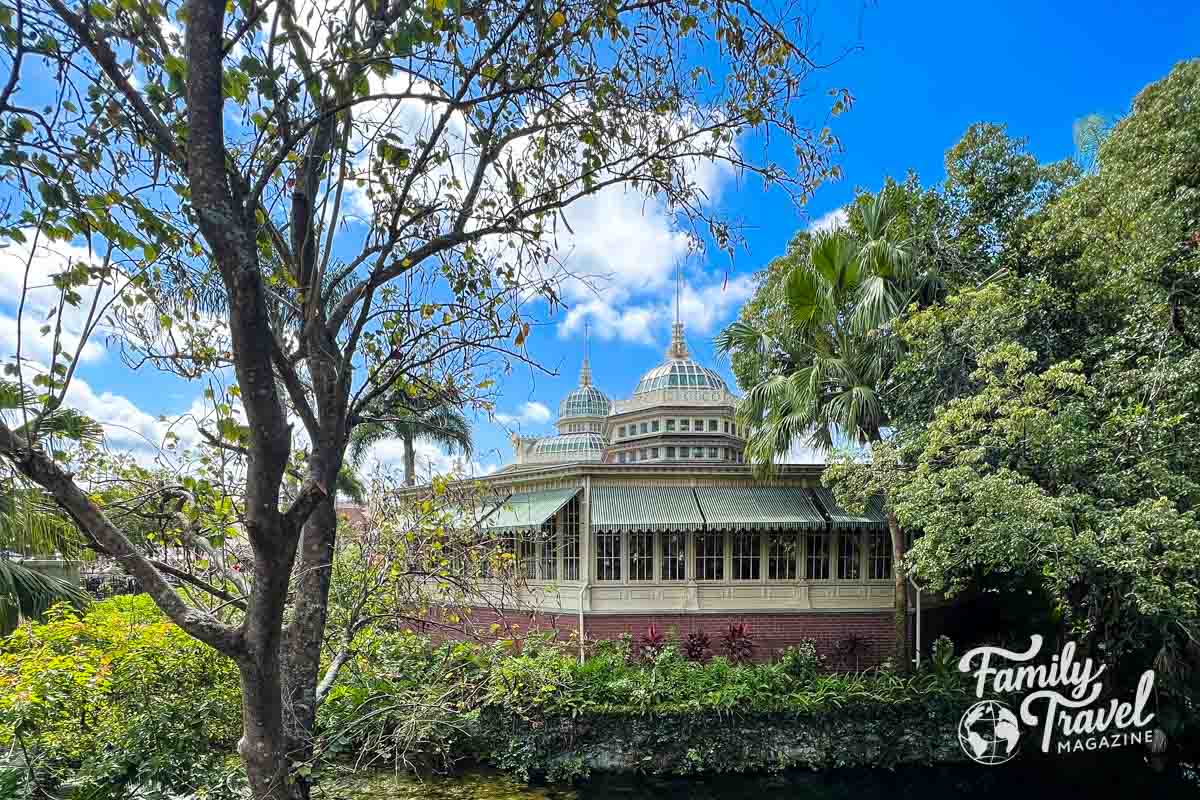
(25, 592)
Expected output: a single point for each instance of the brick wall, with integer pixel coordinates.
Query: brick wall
(834, 632)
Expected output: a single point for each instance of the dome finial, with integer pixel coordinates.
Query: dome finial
(678, 348)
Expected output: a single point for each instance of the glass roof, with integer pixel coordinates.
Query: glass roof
(581, 445)
(679, 373)
(586, 401)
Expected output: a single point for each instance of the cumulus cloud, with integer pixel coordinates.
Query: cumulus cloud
(829, 222)
(529, 413)
(388, 455)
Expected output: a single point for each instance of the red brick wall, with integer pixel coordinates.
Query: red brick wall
(771, 632)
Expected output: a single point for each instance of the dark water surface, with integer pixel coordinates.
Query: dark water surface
(1060, 779)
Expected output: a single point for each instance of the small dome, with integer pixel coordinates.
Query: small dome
(586, 401)
(679, 373)
(570, 447)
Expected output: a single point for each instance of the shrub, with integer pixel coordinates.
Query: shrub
(851, 649)
(117, 697)
(738, 643)
(652, 644)
(697, 646)
(803, 662)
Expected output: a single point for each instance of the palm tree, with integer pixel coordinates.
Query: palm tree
(831, 366)
(437, 421)
(29, 522)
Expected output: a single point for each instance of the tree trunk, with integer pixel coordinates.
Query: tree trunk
(410, 460)
(903, 652)
(303, 638)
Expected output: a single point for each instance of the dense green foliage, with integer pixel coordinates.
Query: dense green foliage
(1042, 411)
(116, 698)
(540, 711)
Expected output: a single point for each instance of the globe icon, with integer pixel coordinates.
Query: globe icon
(988, 732)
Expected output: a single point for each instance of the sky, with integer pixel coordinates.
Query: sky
(920, 73)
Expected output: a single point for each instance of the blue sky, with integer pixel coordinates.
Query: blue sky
(920, 74)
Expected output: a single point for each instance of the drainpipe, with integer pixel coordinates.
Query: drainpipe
(579, 604)
(917, 636)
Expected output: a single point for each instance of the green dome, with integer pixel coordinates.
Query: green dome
(679, 373)
(570, 447)
(586, 401)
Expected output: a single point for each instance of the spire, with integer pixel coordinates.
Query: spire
(678, 348)
(585, 372)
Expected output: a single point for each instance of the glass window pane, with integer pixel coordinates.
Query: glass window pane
(746, 555)
(674, 556)
(641, 556)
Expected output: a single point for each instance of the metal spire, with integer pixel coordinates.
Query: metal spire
(678, 348)
(585, 373)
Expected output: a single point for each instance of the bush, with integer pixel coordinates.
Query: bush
(653, 643)
(738, 643)
(802, 661)
(117, 697)
(697, 646)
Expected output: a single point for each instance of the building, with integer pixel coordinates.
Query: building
(642, 511)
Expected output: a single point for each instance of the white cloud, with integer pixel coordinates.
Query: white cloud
(388, 456)
(828, 222)
(529, 413)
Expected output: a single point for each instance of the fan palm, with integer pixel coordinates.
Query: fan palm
(832, 363)
(29, 524)
(437, 421)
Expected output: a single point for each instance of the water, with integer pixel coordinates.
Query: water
(1056, 779)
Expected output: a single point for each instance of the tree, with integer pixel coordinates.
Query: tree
(438, 422)
(826, 356)
(1048, 430)
(221, 172)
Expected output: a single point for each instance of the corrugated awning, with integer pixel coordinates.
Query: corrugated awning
(875, 517)
(768, 508)
(644, 508)
(525, 510)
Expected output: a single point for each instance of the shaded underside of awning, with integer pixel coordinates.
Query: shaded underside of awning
(644, 508)
(875, 518)
(525, 510)
(758, 508)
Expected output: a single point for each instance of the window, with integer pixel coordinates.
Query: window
(849, 556)
(674, 556)
(712, 426)
(816, 547)
(683, 424)
(698, 425)
(746, 556)
(653, 452)
(697, 452)
(528, 554)
(641, 556)
(712, 452)
(654, 426)
(642, 428)
(621, 432)
(728, 457)
(549, 552)
(710, 556)
(608, 556)
(571, 540)
(621, 458)
(781, 556)
(727, 426)
(879, 556)
(670, 425)
(670, 452)
(641, 455)
(683, 452)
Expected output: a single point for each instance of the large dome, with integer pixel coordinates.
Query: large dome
(586, 401)
(679, 373)
(570, 447)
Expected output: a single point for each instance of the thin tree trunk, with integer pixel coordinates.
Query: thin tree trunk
(903, 652)
(410, 461)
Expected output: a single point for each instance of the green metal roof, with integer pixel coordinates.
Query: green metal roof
(875, 517)
(645, 508)
(526, 510)
(758, 508)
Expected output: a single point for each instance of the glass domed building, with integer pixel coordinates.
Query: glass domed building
(641, 511)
